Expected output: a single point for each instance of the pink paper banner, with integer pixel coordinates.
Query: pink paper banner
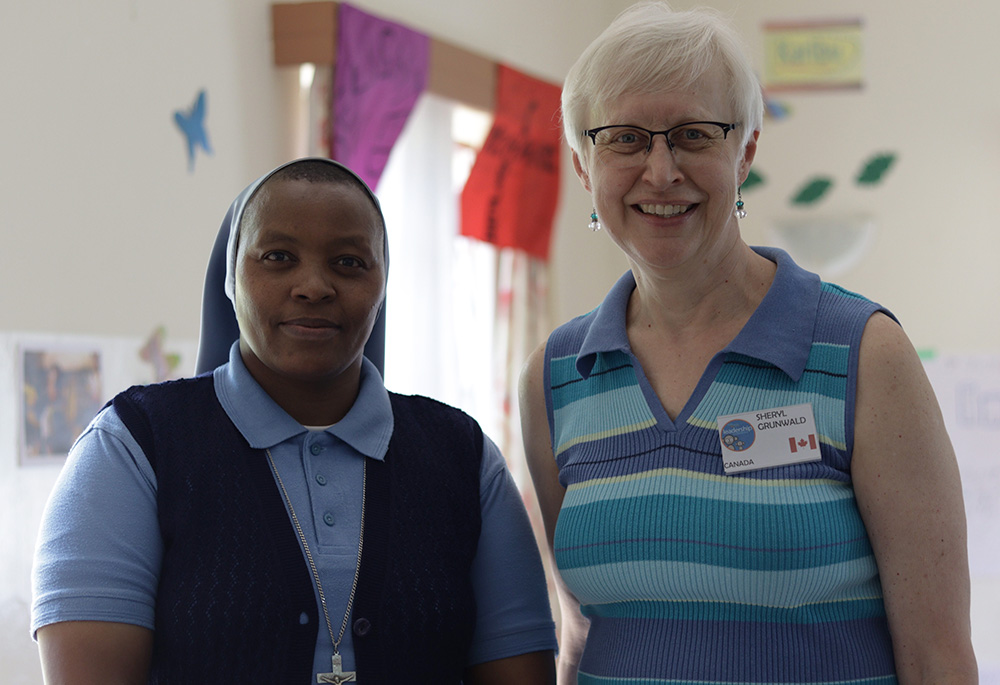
(381, 70)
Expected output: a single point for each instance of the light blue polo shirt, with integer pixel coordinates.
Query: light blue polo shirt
(100, 550)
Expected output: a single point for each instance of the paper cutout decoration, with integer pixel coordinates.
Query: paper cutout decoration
(511, 196)
(163, 364)
(875, 169)
(829, 244)
(192, 125)
(754, 179)
(813, 191)
(776, 110)
(872, 172)
(380, 72)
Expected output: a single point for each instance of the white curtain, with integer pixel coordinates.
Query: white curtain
(439, 319)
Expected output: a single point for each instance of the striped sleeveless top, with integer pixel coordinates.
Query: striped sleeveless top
(689, 575)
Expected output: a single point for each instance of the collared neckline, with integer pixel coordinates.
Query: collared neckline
(367, 426)
(779, 331)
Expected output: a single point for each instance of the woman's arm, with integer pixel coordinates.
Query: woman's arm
(97, 562)
(95, 653)
(545, 476)
(908, 490)
(513, 640)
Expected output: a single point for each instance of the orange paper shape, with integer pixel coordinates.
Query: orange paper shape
(511, 196)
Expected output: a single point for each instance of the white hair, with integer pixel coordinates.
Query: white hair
(649, 48)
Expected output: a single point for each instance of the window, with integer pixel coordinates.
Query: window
(442, 286)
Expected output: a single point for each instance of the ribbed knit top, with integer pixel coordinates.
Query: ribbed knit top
(689, 575)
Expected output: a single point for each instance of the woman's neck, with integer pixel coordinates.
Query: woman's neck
(695, 298)
(312, 401)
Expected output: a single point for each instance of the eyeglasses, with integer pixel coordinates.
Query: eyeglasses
(625, 146)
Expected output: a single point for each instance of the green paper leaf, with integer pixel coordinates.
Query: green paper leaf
(875, 168)
(753, 180)
(812, 191)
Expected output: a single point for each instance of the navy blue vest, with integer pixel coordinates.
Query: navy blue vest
(235, 601)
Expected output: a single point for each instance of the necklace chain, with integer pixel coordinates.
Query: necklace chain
(312, 565)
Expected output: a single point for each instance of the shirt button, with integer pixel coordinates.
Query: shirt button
(316, 449)
(321, 479)
(362, 627)
(328, 518)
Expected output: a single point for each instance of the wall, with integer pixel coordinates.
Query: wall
(109, 233)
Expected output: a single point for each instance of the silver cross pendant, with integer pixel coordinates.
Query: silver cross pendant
(337, 673)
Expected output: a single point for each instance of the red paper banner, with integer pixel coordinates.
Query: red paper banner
(511, 196)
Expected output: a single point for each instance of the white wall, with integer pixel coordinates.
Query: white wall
(107, 234)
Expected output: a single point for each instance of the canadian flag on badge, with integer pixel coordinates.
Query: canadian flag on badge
(802, 443)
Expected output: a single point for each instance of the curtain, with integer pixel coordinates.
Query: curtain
(521, 324)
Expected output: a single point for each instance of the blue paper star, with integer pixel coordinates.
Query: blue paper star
(192, 125)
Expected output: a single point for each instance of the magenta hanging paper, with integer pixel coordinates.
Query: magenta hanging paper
(381, 70)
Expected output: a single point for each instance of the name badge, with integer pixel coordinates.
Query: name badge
(771, 437)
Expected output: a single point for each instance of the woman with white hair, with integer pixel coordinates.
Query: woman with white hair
(742, 470)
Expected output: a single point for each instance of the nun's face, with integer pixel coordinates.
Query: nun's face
(310, 276)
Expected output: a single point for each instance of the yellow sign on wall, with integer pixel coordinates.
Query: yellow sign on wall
(812, 55)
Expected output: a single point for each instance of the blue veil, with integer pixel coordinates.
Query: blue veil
(218, 318)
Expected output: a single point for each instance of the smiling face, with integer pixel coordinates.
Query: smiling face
(310, 277)
(670, 210)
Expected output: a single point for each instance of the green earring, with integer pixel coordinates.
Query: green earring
(595, 224)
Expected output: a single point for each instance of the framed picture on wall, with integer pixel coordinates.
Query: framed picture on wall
(59, 394)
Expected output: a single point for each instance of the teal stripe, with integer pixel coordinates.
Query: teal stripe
(611, 372)
(605, 584)
(588, 679)
(736, 534)
(588, 418)
(736, 399)
(829, 357)
(825, 358)
(707, 553)
(772, 378)
(808, 614)
(833, 288)
(707, 486)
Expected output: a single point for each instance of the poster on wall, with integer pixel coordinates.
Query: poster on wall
(813, 55)
(968, 390)
(60, 392)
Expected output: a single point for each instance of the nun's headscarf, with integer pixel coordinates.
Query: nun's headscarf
(218, 318)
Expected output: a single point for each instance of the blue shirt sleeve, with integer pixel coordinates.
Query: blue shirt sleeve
(513, 615)
(99, 547)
